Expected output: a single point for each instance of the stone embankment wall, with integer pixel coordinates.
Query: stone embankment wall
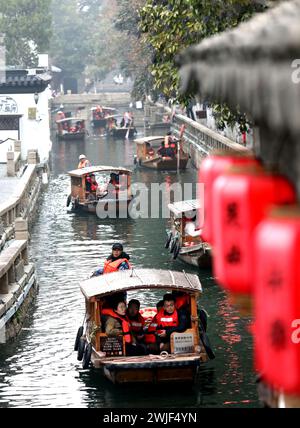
(18, 285)
(199, 140)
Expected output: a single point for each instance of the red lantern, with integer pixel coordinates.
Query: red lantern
(240, 201)
(277, 300)
(211, 168)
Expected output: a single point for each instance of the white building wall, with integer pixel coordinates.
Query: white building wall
(34, 134)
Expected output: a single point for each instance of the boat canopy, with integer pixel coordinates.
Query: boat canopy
(182, 207)
(148, 139)
(68, 119)
(111, 116)
(93, 169)
(137, 279)
(104, 108)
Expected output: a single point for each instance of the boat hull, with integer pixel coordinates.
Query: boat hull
(146, 370)
(99, 123)
(122, 132)
(118, 208)
(165, 164)
(200, 259)
(79, 136)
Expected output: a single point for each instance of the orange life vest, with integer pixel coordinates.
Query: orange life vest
(137, 325)
(83, 164)
(124, 321)
(151, 338)
(166, 320)
(110, 267)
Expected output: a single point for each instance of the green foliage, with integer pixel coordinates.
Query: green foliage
(26, 25)
(85, 41)
(225, 117)
(69, 44)
(136, 58)
(169, 27)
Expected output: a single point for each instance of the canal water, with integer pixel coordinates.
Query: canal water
(40, 369)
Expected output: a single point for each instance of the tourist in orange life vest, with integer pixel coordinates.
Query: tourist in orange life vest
(117, 261)
(136, 320)
(162, 150)
(117, 324)
(91, 186)
(150, 337)
(149, 150)
(169, 320)
(170, 145)
(83, 162)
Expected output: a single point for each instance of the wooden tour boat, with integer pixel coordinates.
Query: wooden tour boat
(100, 117)
(122, 133)
(71, 128)
(147, 155)
(188, 349)
(183, 240)
(110, 197)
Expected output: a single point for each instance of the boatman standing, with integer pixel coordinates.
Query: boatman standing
(117, 261)
(83, 162)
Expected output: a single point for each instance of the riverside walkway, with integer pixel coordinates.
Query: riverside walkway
(20, 186)
(8, 185)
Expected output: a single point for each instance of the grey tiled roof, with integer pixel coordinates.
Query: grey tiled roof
(23, 80)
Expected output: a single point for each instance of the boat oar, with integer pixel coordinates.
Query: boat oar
(206, 342)
(128, 132)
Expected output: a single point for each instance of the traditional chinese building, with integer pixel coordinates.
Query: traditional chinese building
(24, 114)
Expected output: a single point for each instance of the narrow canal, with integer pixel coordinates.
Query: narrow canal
(41, 370)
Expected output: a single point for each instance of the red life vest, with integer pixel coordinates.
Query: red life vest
(182, 301)
(137, 325)
(151, 338)
(124, 321)
(167, 320)
(94, 187)
(110, 267)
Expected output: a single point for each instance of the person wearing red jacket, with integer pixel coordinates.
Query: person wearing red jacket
(150, 331)
(136, 320)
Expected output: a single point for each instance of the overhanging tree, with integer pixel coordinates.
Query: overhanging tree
(171, 26)
(26, 26)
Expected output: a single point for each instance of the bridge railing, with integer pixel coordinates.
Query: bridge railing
(199, 139)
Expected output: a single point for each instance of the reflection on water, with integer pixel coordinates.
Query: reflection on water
(40, 368)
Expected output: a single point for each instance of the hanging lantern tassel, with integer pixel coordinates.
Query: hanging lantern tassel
(241, 200)
(277, 300)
